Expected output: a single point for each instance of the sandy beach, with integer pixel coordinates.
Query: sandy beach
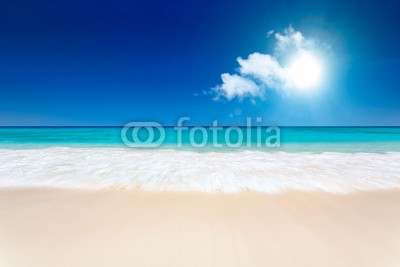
(52, 227)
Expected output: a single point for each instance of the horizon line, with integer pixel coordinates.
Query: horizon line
(224, 126)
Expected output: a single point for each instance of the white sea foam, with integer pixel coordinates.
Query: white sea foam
(173, 170)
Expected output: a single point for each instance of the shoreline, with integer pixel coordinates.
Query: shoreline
(191, 171)
(122, 227)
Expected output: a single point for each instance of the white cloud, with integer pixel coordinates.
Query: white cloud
(237, 86)
(263, 68)
(262, 72)
(291, 39)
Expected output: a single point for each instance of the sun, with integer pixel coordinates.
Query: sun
(305, 71)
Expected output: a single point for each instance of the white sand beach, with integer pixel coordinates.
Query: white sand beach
(55, 227)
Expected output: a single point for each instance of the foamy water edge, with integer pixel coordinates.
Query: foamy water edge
(175, 170)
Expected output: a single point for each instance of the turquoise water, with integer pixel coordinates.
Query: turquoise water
(292, 139)
(308, 159)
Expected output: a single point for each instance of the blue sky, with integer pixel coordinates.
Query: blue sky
(110, 62)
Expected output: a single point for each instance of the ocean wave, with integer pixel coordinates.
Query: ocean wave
(173, 170)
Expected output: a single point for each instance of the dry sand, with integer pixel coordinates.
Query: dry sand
(49, 227)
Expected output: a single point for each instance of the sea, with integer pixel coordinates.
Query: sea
(229, 159)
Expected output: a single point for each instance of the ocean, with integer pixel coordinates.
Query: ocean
(330, 159)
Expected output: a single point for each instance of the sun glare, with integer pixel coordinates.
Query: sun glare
(305, 71)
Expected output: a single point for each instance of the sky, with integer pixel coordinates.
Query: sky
(100, 63)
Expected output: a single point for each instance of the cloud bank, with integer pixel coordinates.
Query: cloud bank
(259, 72)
